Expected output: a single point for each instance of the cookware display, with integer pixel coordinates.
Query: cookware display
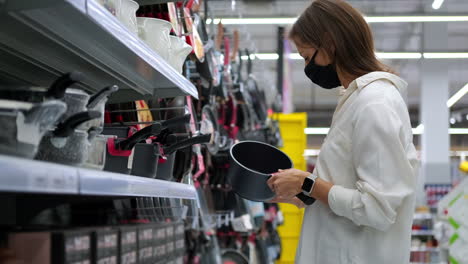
(96, 156)
(155, 32)
(36, 94)
(178, 53)
(24, 124)
(123, 10)
(97, 102)
(67, 144)
(223, 144)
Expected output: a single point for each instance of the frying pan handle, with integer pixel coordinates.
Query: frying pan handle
(144, 133)
(101, 95)
(57, 89)
(307, 200)
(187, 143)
(68, 126)
(177, 121)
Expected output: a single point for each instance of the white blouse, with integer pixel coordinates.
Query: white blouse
(370, 158)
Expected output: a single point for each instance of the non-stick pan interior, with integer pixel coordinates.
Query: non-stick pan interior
(260, 157)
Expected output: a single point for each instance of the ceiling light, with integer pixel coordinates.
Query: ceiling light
(311, 152)
(415, 19)
(458, 131)
(398, 55)
(437, 4)
(416, 131)
(316, 130)
(445, 55)
(253, 21)
(369, 19)
(452, 121)
(457, 96)
(380, 55)
(252, 56)
(267, 56)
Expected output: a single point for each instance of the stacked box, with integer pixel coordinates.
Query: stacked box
(145, 244)
(55, 247)
(128, 245)
(179, 242)
(71, 247)
(170, 243)
(159, 243)
(105, 246)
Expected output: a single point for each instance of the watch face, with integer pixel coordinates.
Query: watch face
(307, 185)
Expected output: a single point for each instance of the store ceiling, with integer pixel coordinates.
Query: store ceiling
(389, 37)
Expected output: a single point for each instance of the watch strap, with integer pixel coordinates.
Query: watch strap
(307, 200)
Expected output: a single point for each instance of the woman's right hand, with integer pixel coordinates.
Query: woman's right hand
(294, 201)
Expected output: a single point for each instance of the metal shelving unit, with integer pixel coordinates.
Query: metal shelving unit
(40, 40)
(29, 176)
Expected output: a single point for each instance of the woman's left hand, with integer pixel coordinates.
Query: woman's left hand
(287, 183)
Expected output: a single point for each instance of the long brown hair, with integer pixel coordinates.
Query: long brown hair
(335, 23)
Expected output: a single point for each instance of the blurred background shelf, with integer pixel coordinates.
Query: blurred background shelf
(41, 41)
(423, 216)
(422, 232)
(425, 249)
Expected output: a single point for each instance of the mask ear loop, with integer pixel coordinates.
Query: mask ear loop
(315, 55)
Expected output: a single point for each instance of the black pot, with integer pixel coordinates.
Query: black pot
(145, 160)
(251, 165)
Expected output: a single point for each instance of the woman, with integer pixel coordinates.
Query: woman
(364, 179)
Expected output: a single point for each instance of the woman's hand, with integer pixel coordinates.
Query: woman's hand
(294, 201)
(287, 183)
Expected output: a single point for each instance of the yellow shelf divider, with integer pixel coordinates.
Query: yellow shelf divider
(294, 144)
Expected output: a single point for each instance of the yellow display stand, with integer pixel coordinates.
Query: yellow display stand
(295, 142)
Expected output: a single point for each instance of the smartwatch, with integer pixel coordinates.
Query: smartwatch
(308, 184)
(307, 187)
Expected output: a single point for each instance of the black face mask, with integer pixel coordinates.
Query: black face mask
(324, 76)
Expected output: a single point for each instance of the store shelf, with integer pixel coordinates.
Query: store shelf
(41, 41)
(112, 184)
(426, 216)
(422, 232)
(29, 176)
